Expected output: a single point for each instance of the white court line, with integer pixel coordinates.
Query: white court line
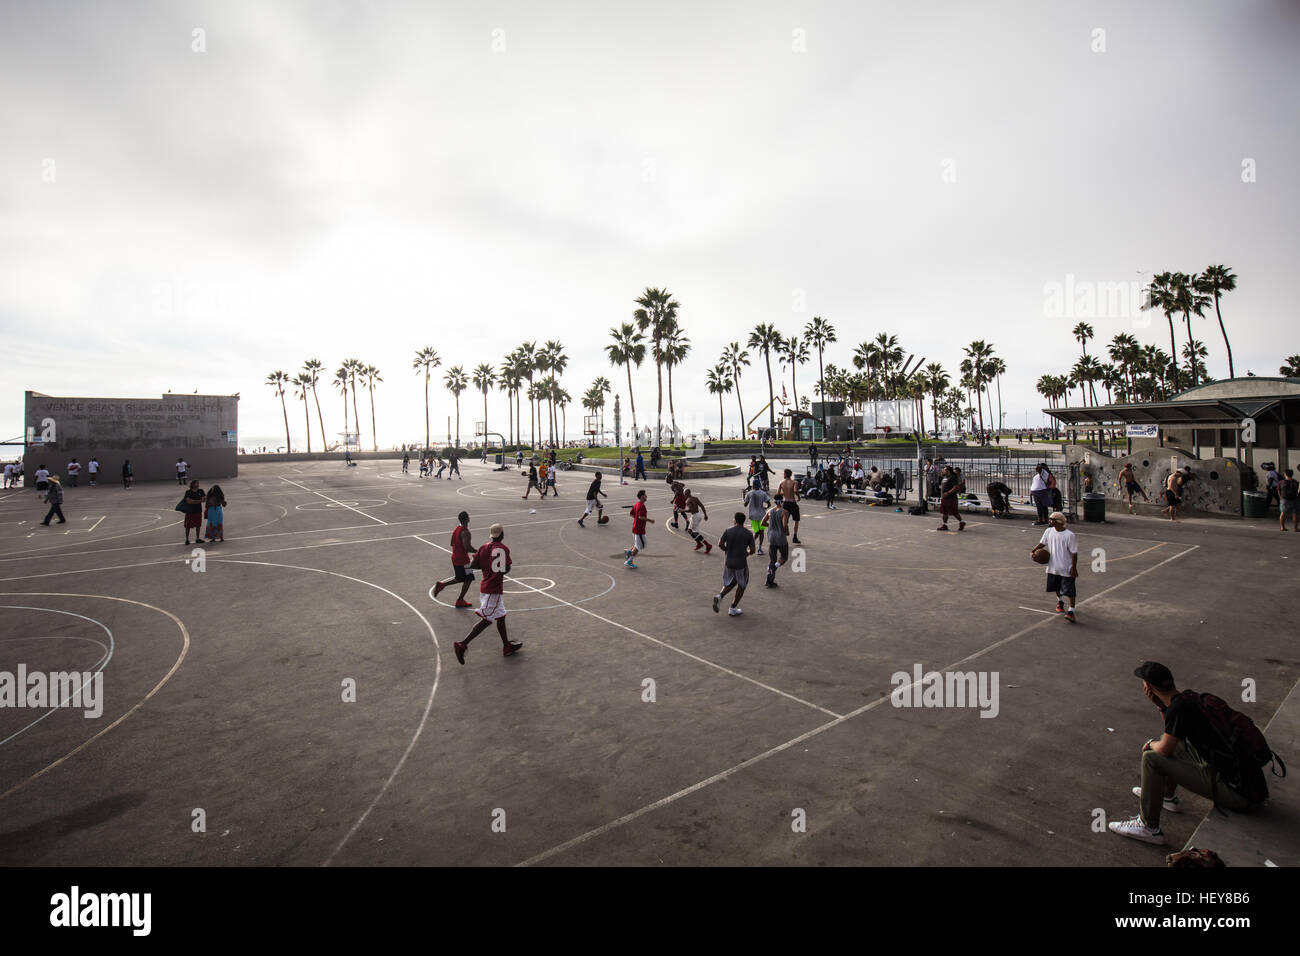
(428, 705)
(731, 771)
(328, 498)
(1038, 609)
(185, 649)
(655, 640)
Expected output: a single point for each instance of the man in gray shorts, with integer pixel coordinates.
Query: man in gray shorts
(738, 543)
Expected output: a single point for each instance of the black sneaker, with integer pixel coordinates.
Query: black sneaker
(459, 648)
(511, 648)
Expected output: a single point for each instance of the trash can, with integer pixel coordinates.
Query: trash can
(500, 458)
(1094, 506)
(1254, 504)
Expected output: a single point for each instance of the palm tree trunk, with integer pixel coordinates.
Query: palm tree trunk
(1191, 346)
(771, 394)
(485, 423)
(672, 412)
(374, 432)
(1226, 343)
(288, 446)
(306, 414)
(659, 412)
(1173, 348)
(356, 415)
(345, 416)
(457, 421)
(720, 431)
(736, 373)
(324, 445)
(426, 408)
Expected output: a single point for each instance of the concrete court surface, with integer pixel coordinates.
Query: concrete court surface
(223, 690)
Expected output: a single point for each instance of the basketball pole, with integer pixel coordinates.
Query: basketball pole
(618, 433)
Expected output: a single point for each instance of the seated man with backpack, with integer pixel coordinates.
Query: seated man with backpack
(1207, 747)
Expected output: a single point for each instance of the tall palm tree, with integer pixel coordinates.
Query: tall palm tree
(593, 400)
(734, 357)
(891, 354)
(1189, 301)
(556, 363)
(995, 368)
(528, 367)
(562, 400)
(1082, 333)
(455, 381)
(509, 380)
(676, 347)
(602, 388)
(312, 369)
(820, 334)
(767, 340)
(1215, 281)
(719, 381)
(1160, 295)
(355, 368)
(426, 360)
(484, 378)
(938, 381)
(628, 349)
(1125, 350)
(657, 314)
(302, 388)
(278, 380)
(370, 375)
(341, 383)
(795, 352)
(1195, 354)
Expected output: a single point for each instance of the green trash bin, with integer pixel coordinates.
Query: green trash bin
(1254, 504)
(500, 458)
(1094, 506)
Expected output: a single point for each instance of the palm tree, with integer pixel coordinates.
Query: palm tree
(593, 399)
(426, 359)
(1082, 332)
(891, 354)
(795, 351)
(1195, 354)
(719, 381)
(676, 348)
(658, 315)
(820, 334)
(370, 375)
(1215, 281)
(1189, 301)
(341, 383)
(455, 381)
(555, 362)
(484, 378)
(302, 388)
(767, 340)
(355, 368)
(527, 357)
(1125, 350)
(938, 381)
(734, 356)
(561, 398)
(1291, 368)
(628, 350)
(511, 380)
(278, 380)
(974, 368)
(995, 368)
(602, 388)
(312, 369)
(1160, 295)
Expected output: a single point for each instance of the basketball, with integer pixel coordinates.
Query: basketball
(1042, 557)
(603, 519)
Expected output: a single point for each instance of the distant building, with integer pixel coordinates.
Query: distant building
(152, 433)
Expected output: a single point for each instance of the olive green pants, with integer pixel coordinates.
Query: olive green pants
(1162, 776)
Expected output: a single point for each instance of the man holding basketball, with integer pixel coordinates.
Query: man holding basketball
(594, 495)
(1059, 550)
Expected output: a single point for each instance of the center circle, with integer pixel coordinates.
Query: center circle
(530, 581)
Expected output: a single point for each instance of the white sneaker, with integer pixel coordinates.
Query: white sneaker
(733, 612)
(1135, 829)
(1171, 804)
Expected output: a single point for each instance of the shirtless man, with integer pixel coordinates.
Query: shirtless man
(788, 492)
(696, 516)
(1172, 486)
(1129, 484)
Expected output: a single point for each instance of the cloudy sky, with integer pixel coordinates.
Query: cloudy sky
(358, 179)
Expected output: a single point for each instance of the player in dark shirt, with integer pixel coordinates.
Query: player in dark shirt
(738, 543)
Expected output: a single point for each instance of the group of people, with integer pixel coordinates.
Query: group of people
(428, 462)
(198, 505)
(1285, 490)
(13, 474)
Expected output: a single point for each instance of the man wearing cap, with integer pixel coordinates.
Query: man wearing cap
(493, 559)
(1175, 759)
(54, 497)
(1062, 564)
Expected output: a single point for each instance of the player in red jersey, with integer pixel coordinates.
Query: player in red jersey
(462, 553)
(493, 559)
(639, 520)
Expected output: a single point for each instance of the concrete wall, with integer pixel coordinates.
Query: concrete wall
(152, 433)
(1216, 488)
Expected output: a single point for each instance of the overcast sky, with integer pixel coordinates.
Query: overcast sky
(363, 179)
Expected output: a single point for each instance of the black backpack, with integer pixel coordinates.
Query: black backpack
(1239, 752)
